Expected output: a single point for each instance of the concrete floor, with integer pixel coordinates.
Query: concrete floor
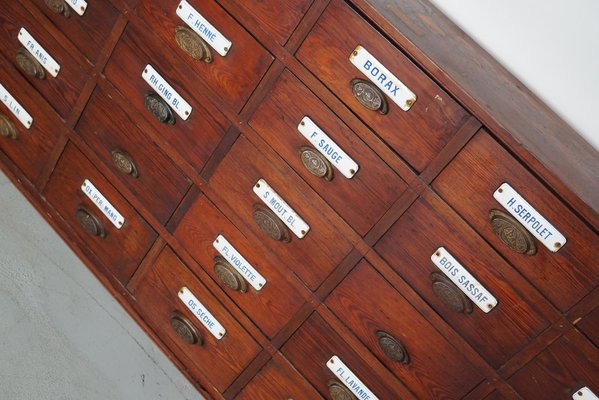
(62, 336)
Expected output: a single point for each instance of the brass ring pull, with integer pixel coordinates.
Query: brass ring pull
(90, 222)
(339, 392)
(512, 233)
(270, 224)
(124, 163)
(316, 163)
(393, 348)
(450, 294)
(8, 128)
(159, 109)
(369, 95)
(229, 275)
(192, 44)
(59, 7)
(185, 329)
(29, 64)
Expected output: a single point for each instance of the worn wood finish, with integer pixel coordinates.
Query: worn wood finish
(366, 303)
(418, 134)
(468, 184)
(219, 360)
(121, 250)
(589, 325)
(361, 200)
(233, 77)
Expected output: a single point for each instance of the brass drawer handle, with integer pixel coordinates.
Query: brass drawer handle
(450, 294)
(316, 163)
(229, 275)
(369, 95)
(393, 348)
(270, 224)
(59, 7)
(192, 44)
(90, 222)
(124, 163)
(8, 128)
(185, 329)
(29, 64)
(512, 233)
(339, 392)
(159, 109)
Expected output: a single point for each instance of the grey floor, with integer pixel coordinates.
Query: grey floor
(62, 336)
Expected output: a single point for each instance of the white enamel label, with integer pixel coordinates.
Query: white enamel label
(349, 379)
(78, 5)
(281, 209)
(532, 220)
(464, 280)
(103, 205)
(234, 258)
(382, 78)
(201, 313)
(325, 145)
(17, 109)
(38, 52)
(166, 91)
(584, 394)
(202, 27)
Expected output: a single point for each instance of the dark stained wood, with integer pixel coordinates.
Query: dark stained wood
(418, 134)
(233, 77)
(468, 184)
(122, 249)
(589, 325)
(219, 360)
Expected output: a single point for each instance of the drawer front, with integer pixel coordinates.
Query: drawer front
(278, 380)
(589, 325)
(232, 77)
(468, 184)
(311, 258)
(194, 138)
(276, 302)
(88, 31)
(567, 365)
(361, 200)
(61, 91)
(315, 343)
(120, 250)
(401, 337)
(27, 148)
(220, 361)
(418, 134)
(139, 164)
(278, 18)
(408, 246)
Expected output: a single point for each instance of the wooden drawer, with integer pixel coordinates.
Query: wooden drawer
(63, 90)
(278, 380)
(401, 337)
(361, 200)
(233, 77)
(418, 134)
(278, 18)
(567, 365)
(139, 163)
(276, 302)
(120, 250)
(311, 258)
(197, 137)
(497, 335)
(468, 184)
(88, 31)
(27, 148)
(315, 343)
(220, 361)
(589, 325)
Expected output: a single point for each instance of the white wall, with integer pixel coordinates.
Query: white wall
(552, 46)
